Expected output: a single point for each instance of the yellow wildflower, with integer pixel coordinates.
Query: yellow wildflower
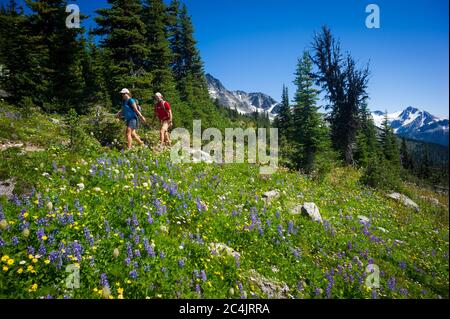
(34, 260)
(47, 261)
(120, 291)
(5, 258)
(20, 270)
(44, 238)
(10, 262)
(5, 268)
(33, 288)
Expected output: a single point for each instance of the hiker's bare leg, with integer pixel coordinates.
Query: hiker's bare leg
(167, 139)
(137, 138)
(162, 134)
(129, 136)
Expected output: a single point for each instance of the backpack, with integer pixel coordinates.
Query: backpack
(164, 105)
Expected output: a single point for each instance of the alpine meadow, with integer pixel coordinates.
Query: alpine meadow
(94, 206)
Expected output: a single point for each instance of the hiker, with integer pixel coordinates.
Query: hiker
(130, 113)
(164, 114)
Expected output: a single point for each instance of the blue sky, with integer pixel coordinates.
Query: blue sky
(253, 45)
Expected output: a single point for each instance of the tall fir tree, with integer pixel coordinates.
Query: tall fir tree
(345, 85)
(61, 54)
(159, 60)
(283, 121)
(125, 46)
(191, 78)
(366, 139)
(405, 156)
(388, 143)
(309, 130)
(20, 57)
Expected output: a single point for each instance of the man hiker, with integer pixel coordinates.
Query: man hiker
(130, 113)
(164, 114)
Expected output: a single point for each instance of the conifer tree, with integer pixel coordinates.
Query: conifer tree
(389, 144)
(191, 77)
(126, 49)
(366, 139)
(22, 57)
(309, 128)
(405, 157)
(160, 57)
(284, 117)
(345, 85)
(60, 55)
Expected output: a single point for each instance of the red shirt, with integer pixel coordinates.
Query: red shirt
(163, 110)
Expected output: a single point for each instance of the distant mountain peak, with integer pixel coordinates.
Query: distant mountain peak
(241, 101)
(416, 124)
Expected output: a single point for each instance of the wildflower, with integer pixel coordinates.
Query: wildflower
(116, 252)
(5, 268)
(20, 270)
(203, 275)
(181, 263)
(10, 262)
(133, 274)
(104, 280)
(33, 288)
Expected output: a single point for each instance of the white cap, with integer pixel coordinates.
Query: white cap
(125, 91)
(159, 95)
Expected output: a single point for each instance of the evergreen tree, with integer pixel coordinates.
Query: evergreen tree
(283, 121)
(346, 90)
(22, 57)
(366, 139)
(126, 49)
(60, 55)
(389, 144)
(160, 58)
(405, 157)
(425, 164)
(310, 132)
(94, 75)
(190, 75)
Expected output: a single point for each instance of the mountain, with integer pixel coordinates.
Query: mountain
(416, 124)
(243, 102)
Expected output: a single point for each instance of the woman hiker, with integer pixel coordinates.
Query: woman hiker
(130, 113)
(164, 114)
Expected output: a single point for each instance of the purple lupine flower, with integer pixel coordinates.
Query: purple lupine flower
(129, 250)
(181, 263)
(135, 221)
(88, 236)
(300, 285)
(77, 250)
(197, 288)
(237, 260)
(196, 273)
(2, 242)
(391, 283)
(290, 229)
(40, 233)
(133, 274)
(135, 264)
(374, 294)
(15, 241)
(162, 254)
(241, 289)
(137, 253)
(203, 275)
(402, 265)
(127, 261)
(280, 230)
(42, 250)
(149, 218)
(317, 292)
(104, 280)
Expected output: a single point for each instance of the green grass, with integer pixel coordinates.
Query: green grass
(193, 205)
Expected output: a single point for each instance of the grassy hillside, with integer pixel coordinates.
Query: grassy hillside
(143, 227)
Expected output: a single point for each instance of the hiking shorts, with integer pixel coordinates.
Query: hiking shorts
(132, 124)
(165, 125)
